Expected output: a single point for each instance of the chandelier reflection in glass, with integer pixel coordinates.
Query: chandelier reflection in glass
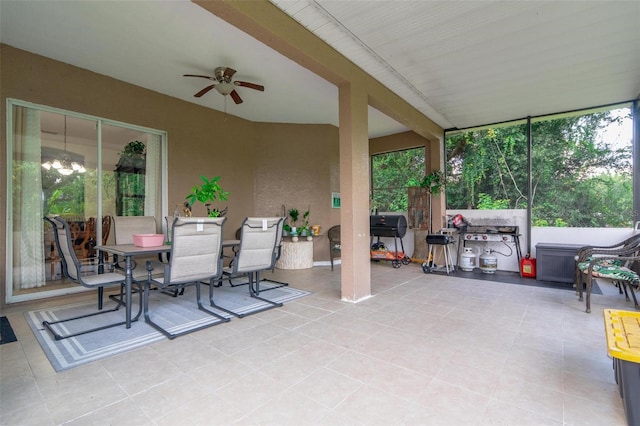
(65, 166)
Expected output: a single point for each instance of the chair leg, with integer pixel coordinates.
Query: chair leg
(588, 301)
(167, 333)
(236, 285)
(254, 278)
(178, 291)
(632, 290)
(622, 285)
(253, 292)
(279, 284)
(57, 336)
(213, 304)
(633, 294)
(268, 280)
(202, 308)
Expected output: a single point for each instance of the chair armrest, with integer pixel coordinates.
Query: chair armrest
(150, 267)
(585, 253)
(110, 266)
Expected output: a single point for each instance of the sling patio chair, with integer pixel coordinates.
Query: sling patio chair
(277, 253)
(124, 228)
(72, 269)
(196, 257)
(257, 252)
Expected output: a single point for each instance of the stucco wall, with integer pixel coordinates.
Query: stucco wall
(294, 170)
(253, 159)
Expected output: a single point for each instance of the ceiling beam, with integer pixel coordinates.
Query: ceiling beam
(271, 26)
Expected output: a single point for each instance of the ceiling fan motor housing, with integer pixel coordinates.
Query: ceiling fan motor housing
(224, 85)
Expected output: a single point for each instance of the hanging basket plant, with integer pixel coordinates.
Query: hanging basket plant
(434, 182)
(133, 155)
(134, 148)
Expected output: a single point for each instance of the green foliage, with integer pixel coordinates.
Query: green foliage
(560, 223)
(305, 221)
(134, 148)
(64, 195)
(391, 174)
(207, 193)
(577, 178)
(434, 181)
(486, 203)
(294, 214)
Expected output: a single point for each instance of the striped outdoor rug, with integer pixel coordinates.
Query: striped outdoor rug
(174, 313)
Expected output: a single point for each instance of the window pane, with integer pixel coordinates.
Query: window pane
(582, 170)
(487, 169)
(391, 174)
(130, 165)
(54, 171)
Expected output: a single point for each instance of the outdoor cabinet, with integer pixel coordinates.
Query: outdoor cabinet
(556, 262)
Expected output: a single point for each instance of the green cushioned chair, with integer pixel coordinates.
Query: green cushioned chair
(620, 268)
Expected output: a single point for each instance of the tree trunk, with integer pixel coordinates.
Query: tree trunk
(418, 214)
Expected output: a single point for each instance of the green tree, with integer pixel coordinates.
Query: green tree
(578, 179)
(391, 174)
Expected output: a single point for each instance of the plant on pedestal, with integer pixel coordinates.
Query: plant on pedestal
(209, 192)
(292, 228)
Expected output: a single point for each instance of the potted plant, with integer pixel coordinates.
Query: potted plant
(304, 228)
(209, 192)
(294, 214)
(133, 148)
(434, 182)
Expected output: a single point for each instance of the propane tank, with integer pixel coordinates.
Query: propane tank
(488, 262)
(468, 260)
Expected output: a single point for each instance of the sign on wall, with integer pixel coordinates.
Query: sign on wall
(335, 200)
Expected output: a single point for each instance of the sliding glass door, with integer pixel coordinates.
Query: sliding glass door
(85, 169)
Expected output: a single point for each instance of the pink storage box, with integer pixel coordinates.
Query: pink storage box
(148, 240)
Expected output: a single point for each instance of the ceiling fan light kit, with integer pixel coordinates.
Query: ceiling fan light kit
(223, 83)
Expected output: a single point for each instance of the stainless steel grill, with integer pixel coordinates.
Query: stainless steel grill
(491, 233)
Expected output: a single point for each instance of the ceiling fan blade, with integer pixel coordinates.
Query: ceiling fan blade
(203, 91)
(249, 85)
(200, 76)
(228, 73)
(236, 98)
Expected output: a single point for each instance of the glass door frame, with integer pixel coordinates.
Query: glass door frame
(100, 121)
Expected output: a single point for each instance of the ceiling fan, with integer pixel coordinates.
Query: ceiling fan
(224, 85)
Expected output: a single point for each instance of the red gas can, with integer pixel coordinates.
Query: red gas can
(528, 267)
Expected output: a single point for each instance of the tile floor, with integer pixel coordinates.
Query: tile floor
(426, 349)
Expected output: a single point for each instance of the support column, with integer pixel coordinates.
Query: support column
(354, 190)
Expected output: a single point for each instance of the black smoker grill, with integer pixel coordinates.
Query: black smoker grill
(392, 226)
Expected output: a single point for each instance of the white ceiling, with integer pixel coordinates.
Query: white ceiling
(461, 63)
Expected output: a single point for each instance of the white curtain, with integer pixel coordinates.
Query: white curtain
(27, 226)
(152, 185)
